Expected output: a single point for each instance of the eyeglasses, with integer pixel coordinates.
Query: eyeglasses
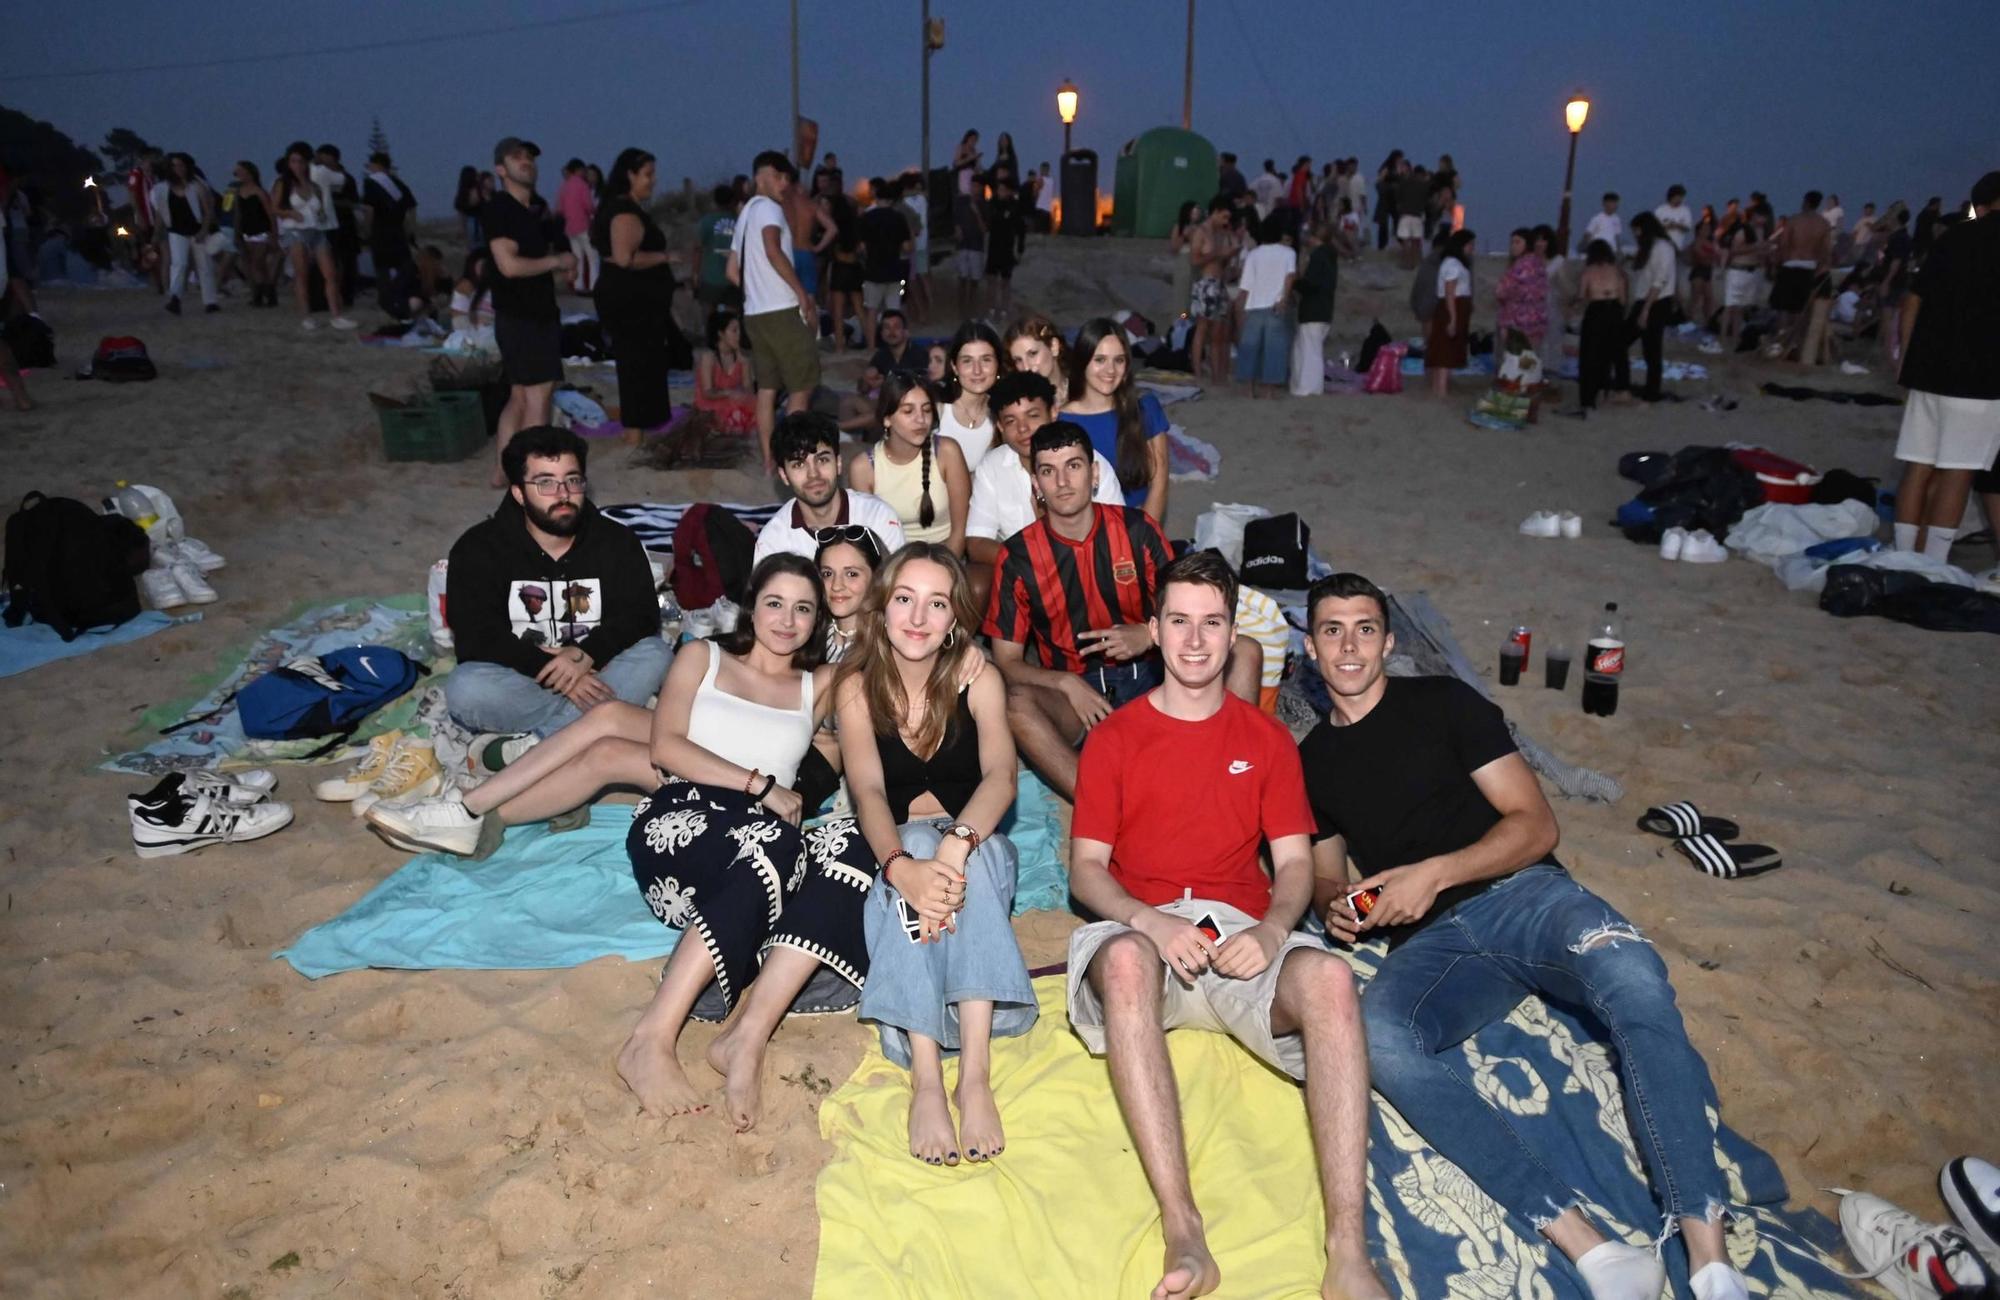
(859, 536)
(549, 485)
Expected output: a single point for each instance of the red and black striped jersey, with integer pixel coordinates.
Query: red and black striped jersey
(1047, 588)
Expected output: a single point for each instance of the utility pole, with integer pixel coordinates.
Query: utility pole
(795, 76)
(924, 157)
(1187, 76)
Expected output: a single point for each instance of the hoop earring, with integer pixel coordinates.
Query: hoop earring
(951, 637)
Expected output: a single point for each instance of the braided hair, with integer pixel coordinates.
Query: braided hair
(897, 385)
(926, 512)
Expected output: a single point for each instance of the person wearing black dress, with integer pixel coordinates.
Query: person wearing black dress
(635, 291)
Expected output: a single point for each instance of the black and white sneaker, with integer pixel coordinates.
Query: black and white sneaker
(253, 786)
(177, 816)
(1971, 1188)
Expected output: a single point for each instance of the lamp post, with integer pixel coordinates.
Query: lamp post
(1574, 114)
(1066, 105)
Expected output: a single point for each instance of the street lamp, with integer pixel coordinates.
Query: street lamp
(1574, 115)
(1066, 105)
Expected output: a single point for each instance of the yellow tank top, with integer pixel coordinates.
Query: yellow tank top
(902, 486)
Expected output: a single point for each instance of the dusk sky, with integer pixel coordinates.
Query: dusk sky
(1870, 101)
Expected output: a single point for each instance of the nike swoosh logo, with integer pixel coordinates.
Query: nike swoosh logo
(370, 667)
(1238, 768)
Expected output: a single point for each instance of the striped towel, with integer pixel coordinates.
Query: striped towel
(655, 521)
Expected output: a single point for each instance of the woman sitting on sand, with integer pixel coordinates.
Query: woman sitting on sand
(847, 559)
(1125, 427)
(299, 212)
(716, 848)
(923, 477)
(930, 763)
(722, 375)
(472, 301)
(1451, 319)
(1033, 344)
(973, 361)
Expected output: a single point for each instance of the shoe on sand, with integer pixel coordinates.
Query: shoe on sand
(1571, 524)
(190, 581)
(440, 823)
(308, 324)
(343, 323)
(1911, 1259)
(1542, 523)
(196, 552)
(1702, 548)
(253, 786)
(1673, 542)
(1971, 1188)
(355, 782)
(174, 817)
(413, 772)
(162, 592)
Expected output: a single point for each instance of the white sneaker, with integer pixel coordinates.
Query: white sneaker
(1613, 1270)
(1702, 548)
(1542, 523)
(1571, 524)
(253, 786)
(1672, 542)
(343, 323)
(355, 783)
(1971, 1188)
(412, 773)
(1911, 1259)
(173, 818)
(308, 324)
(196, 552)
(162, 592)
(190, 581)
(438, 823)
(512, 748)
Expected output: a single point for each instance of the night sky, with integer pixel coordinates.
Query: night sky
(1870, 101)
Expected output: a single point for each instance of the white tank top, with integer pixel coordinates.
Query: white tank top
(748, 733)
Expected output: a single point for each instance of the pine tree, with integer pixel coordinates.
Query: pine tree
(378, 140)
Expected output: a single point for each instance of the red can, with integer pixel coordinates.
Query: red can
(1521, 636)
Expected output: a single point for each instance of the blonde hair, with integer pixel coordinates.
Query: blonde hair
(873, 659)
(1041, 329)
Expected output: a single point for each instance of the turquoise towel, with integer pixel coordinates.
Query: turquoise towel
(546, 900)
(33, 644)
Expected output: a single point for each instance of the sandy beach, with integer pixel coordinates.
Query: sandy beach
(181, 1115)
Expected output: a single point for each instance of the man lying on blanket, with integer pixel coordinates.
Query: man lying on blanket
(1417, 778)
(1174, 794)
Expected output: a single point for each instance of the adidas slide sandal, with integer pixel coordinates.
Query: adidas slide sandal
(1678, 820)
(1728, 861)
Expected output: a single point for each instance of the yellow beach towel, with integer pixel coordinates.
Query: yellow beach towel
(1065, 1211)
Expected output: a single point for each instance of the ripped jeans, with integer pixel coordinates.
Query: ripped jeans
(1540, 932)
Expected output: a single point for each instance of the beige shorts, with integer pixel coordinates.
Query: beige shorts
(1949, 432)
(1239, 1008)
(882, 295)
(785, 352)
(1741, 285)
(1409, 227)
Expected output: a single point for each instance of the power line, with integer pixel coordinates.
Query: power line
(1257, 62)
(363, 47)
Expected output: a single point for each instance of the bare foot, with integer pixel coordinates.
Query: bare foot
(650, 1069)
(1352, 1277)
(1191, 1270)
(741, 1066)
(978, 1119)
(932, 1138)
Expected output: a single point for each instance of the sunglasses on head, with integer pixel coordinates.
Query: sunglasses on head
(859, 536)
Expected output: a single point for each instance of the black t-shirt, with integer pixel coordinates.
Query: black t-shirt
(1955, 347)
(883, 232)
(913, 358)
(530, 297)
(1006, 226)
(1397, 785)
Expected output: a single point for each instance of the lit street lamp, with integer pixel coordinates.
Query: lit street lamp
(1066, 105)
(1574, 114)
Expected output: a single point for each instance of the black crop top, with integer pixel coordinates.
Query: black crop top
(951, 774)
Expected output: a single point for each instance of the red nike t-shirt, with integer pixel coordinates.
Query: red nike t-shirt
(1185, 805)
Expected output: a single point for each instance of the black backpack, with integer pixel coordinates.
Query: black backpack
(1275, 553)
(31, 341)
(71, 567)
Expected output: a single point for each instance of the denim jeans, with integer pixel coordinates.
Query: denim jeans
(915, 988)
(1121, 683)
(493, 697)
(1539, 932)
(1264, 353)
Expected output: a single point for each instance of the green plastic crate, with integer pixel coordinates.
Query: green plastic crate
(432, 429)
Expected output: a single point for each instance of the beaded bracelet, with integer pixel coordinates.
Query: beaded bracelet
(752, 782)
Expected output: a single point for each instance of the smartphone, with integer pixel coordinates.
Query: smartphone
(913, 925)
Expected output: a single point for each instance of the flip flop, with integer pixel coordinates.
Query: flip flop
(1679, 820)
(1728, 861)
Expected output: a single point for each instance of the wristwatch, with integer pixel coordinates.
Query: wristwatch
(960, 831)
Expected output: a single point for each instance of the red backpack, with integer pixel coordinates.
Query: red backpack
(121, 359)
(713, 555)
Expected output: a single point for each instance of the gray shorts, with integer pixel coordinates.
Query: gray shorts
(1239, 1008)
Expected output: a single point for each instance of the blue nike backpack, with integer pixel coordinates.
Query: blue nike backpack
(328, 696)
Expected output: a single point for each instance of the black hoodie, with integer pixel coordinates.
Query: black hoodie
(506, 598)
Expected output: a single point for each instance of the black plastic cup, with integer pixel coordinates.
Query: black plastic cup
(1511, 659)
(1555, 670)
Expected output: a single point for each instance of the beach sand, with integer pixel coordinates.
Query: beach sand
(182, 1115)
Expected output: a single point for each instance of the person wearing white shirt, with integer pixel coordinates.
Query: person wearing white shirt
(1606, 225)
(1003, 483)
(780, 320)
(1264, 352)
(807, 447)
(1677, 218)
(1269, 189)
(972, 363)
(1653, 295)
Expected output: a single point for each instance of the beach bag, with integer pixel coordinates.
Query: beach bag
(121, 359)
(714, 552)
(1274, 552)
(1220, 529)
(1385, 372)
(71, 568)
(331, 695)
(1378, 338)
(31, 340)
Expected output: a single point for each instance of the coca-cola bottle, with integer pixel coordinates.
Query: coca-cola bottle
(1603, 663)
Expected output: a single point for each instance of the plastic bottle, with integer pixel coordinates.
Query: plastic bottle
(133, 504)
(1603, 663)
